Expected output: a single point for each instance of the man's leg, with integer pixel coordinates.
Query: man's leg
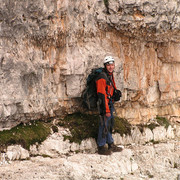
(110, 140)
(109, 137)
(101, 141)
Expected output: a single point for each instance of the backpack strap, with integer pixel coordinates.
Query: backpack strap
(108, 78)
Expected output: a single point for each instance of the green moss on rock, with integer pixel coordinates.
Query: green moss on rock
(122, 126)
(25, 135)
(83, 126)
(158, 121)
(163, 121)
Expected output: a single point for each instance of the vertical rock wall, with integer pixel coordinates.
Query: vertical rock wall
(47, 49)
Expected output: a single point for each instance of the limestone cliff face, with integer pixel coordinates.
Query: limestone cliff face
(47, 49)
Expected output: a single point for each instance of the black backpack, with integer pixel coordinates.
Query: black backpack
(89, 94)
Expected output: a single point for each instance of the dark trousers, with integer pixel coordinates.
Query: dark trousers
(104, 133)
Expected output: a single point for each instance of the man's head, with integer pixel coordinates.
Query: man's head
(109, 63)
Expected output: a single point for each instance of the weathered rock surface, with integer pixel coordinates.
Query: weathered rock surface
(58, 159)
(160, 161)
(47, 48)
(16, 152)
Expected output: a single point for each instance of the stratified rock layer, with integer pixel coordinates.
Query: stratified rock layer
(58, 159)
(47, 49)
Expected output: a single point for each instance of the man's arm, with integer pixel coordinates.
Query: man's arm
(101, 92)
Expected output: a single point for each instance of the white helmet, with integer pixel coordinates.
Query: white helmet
(108, 59)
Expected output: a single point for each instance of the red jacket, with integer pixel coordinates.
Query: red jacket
(105, 90)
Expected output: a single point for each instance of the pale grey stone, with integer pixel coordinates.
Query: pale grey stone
(118, 139)
(147, 135)
(177, 131)
(136, 135)
(153, 94)
(75, 147)
(159, 133)
(33, 149)
(16, 152)
(170, 132)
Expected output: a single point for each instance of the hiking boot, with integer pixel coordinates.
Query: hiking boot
(103, 151)
(114, 148)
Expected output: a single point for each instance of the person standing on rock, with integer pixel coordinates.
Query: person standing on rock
(106, 89)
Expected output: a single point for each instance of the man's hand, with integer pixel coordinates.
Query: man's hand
(108, 114)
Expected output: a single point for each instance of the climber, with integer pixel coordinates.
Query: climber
(106, 89)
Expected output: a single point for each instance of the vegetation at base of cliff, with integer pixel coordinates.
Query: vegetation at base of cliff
(83, 126)
(122, 126)
(158, 121)
(25, 135)
(163, 121)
